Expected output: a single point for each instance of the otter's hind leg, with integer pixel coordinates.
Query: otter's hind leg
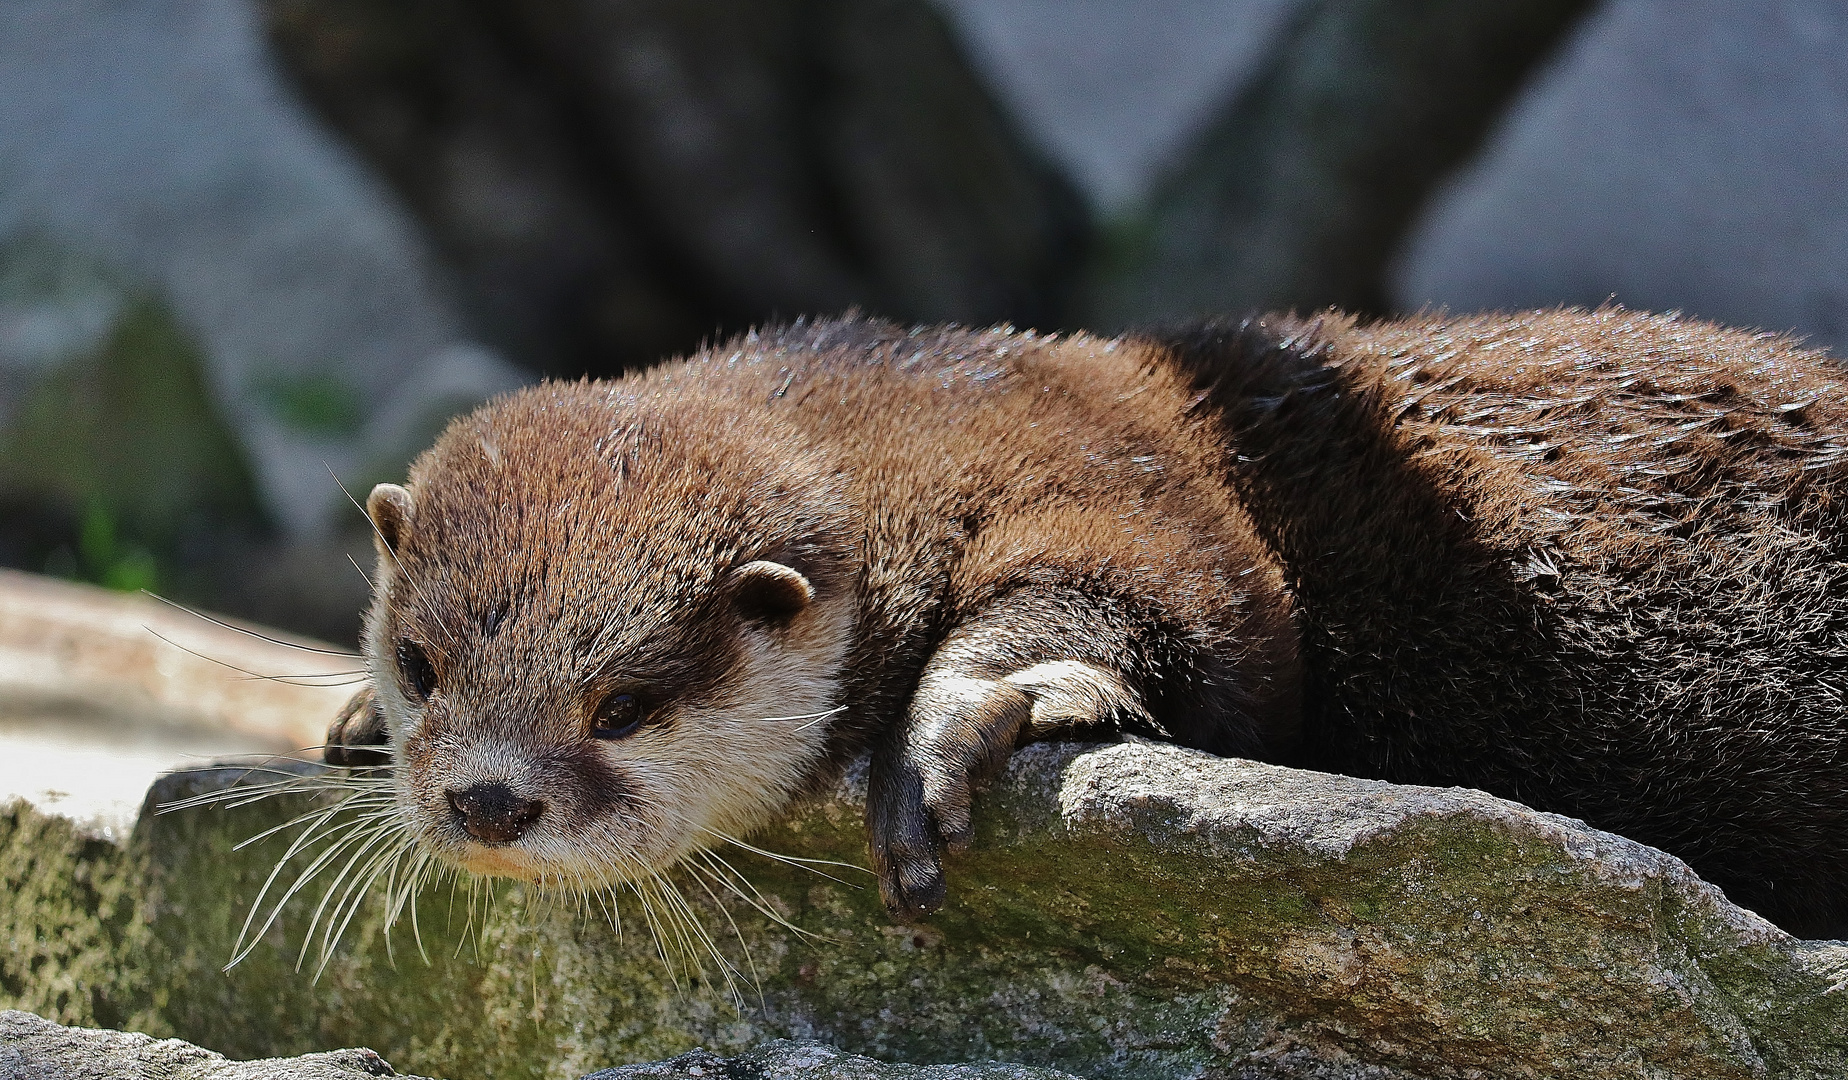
(1031, 667)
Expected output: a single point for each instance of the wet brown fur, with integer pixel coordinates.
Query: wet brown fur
(1592, 561)
(1589, 560)
(577, 536)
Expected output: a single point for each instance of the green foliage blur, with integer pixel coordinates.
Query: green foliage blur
(116, 468)
(315, 404)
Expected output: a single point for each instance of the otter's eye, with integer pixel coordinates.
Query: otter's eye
(414, 666)
(618, 717)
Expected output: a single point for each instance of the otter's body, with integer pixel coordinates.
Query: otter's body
(1595, 562)
(1592, 561)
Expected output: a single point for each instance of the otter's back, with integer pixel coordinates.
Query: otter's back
(1589, 560)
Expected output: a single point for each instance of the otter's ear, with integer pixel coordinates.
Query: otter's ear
(770, 591)
(389, 506)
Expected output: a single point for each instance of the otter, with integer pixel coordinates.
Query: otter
(1589, 560)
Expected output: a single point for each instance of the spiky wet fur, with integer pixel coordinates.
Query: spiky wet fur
(575, 539)
(1590, 560)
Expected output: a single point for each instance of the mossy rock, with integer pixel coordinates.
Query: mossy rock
(1130, 910)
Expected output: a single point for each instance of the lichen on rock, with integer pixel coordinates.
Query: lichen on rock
(73, 931)
(31, 1046)
(1128, 910)
(783, 1059)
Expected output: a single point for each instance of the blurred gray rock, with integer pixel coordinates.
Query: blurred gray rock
(1679, 154)
(152, 143)
(119, 465)
(1676, 154)
(1113, 90)
(32, 1048)
(1295, 194)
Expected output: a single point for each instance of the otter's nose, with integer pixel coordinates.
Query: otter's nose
(493, 814)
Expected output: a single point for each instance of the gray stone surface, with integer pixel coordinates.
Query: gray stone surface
(1679, 154)
(1112, 90)
(33, 1048)
(1127, 910)
(101, 693)
(1132, 910)
(786, 1060)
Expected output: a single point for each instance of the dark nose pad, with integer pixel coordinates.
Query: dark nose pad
(493, 814)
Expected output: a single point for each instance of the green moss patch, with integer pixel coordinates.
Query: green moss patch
(1129, 911)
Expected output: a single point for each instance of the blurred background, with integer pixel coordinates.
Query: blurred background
(252, 250)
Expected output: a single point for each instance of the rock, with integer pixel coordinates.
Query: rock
(1128, 910)
(116, 465)
(786, 1060)
(1654, 164)
(32, 1048)
(1114, 91)
(100, 693)
(1296, 193)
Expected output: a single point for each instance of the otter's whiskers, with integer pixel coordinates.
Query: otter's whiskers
(359, 840)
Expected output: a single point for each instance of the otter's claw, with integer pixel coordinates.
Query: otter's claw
(907, 853)
(960, 734)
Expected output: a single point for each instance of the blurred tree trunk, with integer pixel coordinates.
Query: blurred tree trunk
(1299, 192)
(612, 180)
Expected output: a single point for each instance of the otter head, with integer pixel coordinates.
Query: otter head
(607, 630)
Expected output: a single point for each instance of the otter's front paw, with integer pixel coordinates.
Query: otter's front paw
(357, 737)
(959, 733)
